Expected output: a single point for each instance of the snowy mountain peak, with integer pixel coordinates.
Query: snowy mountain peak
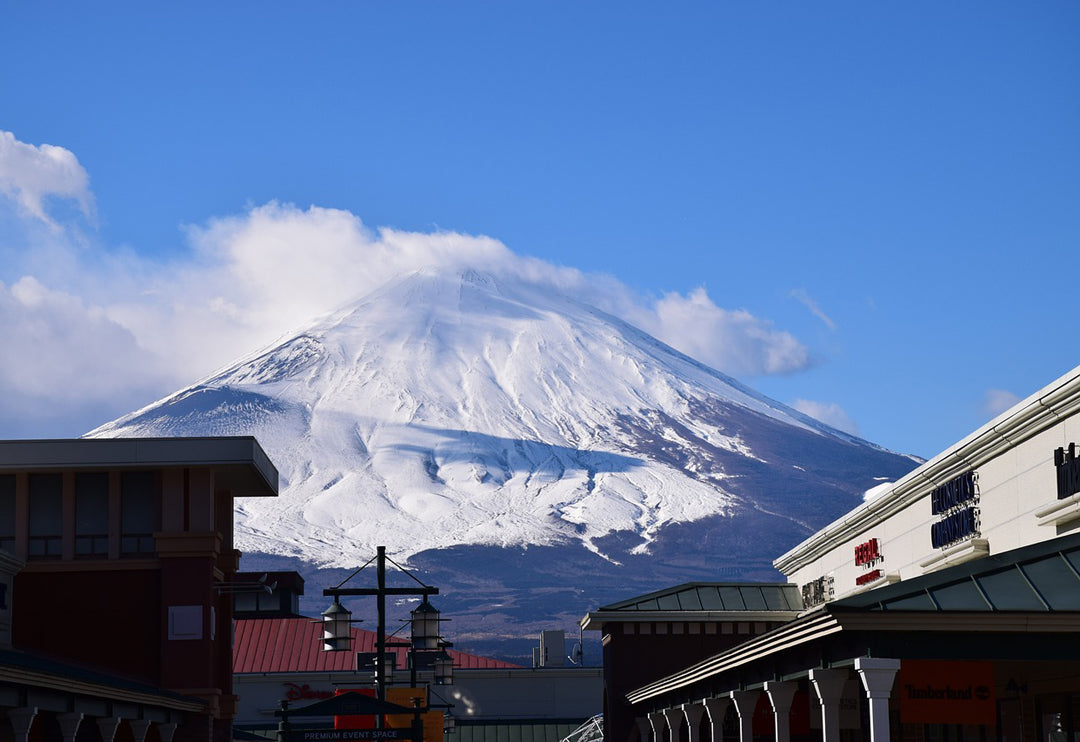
(459, 409)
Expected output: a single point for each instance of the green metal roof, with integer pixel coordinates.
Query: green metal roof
(1041, 577)
(716, 596)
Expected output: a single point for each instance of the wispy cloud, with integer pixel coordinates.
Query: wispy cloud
(996, 401)
(829, 413)
(29, 175)
(807, 301)
(94, 328)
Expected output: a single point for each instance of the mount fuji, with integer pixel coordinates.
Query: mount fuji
(529, 453)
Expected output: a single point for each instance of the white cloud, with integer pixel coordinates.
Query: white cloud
(735, 342)
(829, 413)
(29, 175)
(996, 401)
(110, 330)
(805, 299)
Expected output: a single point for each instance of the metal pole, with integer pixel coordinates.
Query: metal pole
(380, 638)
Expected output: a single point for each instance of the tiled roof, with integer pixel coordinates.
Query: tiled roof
(295, 645)
(716, 596)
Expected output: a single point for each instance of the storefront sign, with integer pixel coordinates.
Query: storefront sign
(960, 525)
(957, 502)
(1068, 472)
(297, 692)
(867, 553)
(868, 577)
(349, 735)
(938, 692)
(817, 591)
(954, 493)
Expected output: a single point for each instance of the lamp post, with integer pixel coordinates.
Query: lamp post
(424, 620)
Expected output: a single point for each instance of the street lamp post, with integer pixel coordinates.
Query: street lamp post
(424, 619)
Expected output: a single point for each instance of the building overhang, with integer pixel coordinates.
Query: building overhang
(240, 465)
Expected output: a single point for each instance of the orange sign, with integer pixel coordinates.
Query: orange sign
(940, 692)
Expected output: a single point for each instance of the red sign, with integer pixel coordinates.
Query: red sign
(938, 692)
(867, 553)
(868, 577)
(297, 692)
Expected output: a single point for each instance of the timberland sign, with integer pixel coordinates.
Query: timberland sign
(938, 692)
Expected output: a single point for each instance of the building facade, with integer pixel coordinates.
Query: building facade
(945, 608)
(117, 559)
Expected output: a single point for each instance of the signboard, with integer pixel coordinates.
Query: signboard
(1068, 471)
(956, 502)
(940, 692)
(349, 735)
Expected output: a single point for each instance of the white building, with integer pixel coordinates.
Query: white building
(944, 609)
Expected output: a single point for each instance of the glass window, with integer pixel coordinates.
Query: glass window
(140, 514)
(1056, 582)
(91, 514)
(7, 512)
(46, 513)
(960, 596)
(1009, 591)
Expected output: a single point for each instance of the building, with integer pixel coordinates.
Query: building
(278, 656)
(116, 560)
(946, 608)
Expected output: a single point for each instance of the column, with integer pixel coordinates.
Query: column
(717, 708)
(139, 727)
(644, 729)
(658, 724)
(829, 687)
(780, 696)
(693, 713)
(108, 725)
(877, 675)
(745, 701)
(674, 719)
(21, 720)
(69, 725)
(166, 731)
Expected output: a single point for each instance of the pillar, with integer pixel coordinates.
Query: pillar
(693, 713)
(829, 687)
(674, 718)
(69, 725)
(717, 708)
(658, 724)
(781, 696)
(644, 729)
(877, 675)
(139, 727)
(745, 701)
(21, 720)
(166, 731)
(108, 725)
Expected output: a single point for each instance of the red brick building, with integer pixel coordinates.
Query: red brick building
(116, 562)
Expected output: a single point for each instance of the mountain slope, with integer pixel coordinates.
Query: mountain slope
(443, 411)
(532, 453)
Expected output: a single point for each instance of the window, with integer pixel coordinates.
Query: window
(46, 510)
(7, 512)
(91, 515)
(140, 513)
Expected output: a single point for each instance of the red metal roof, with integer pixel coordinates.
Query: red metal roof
(295, 645)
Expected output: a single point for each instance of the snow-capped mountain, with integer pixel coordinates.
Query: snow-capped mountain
(460, 414)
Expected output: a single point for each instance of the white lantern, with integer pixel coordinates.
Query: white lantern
(425, 626)
(336, 621)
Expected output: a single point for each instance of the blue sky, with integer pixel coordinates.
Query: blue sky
(868, 210)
